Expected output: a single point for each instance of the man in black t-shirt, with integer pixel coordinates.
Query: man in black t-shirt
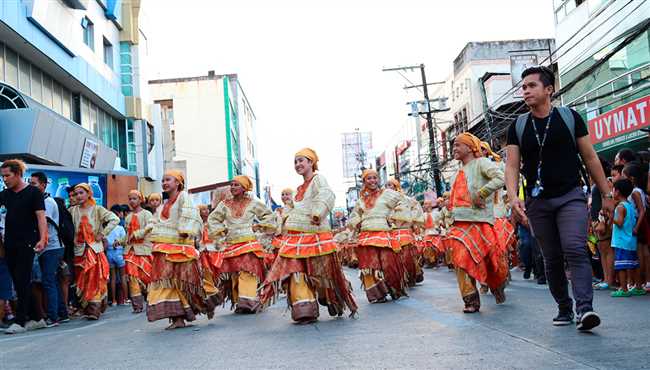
(25, 233)
(556, 205)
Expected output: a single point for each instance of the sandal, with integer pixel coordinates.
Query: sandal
(621, 293)
(637, 291)
(601, 286)
(470, 309)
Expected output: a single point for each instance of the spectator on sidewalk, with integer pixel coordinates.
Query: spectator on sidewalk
(115, 256)
(51, 257)
(5, 286)
(25, 235)
(624, 240)
(549, 141)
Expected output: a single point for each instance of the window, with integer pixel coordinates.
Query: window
(47, 91)
(24, 74)
(88, 32)
(57, 98)
(66, 108)
(37, 84)
(108, 53)
(11, 67)
(2, 62)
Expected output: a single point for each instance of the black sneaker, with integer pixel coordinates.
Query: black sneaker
(526, 274)
(541, 281)
(51, 323)
(563, 318)
(588, 321)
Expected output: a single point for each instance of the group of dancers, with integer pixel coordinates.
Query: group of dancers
(189, 260)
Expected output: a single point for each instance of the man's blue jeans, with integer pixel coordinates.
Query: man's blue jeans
(50, 261)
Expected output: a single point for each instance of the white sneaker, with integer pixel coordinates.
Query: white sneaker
(15, 329)
(34, 325)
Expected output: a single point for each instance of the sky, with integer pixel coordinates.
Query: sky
(313, 69)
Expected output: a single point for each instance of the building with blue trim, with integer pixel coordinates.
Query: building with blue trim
(70, 87)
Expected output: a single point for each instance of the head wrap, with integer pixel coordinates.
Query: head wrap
(287, 190)
(154, 196)
(88, 190)
(495, 156)
(244, 181)
(368, 172)
(309, 154)
(178, 175)
(396, 184)
(138, 194)
(471, 141)
(201, 207)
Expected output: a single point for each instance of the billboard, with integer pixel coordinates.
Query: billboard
(620, 125)
(59, 181)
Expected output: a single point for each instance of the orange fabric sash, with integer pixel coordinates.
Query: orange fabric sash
(303, 245)
(134, 226)
(85, 235)
(460, 196)
(176, 252)
(302, 189)
(205, 238)
(428, 223)
(402, 236)
(238, 249)
(168, 206)
(369, 197)
(378, 239)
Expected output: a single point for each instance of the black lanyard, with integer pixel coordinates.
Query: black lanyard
(540, 142)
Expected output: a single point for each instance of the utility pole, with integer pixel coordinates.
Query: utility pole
(434, 170)
(433, 156)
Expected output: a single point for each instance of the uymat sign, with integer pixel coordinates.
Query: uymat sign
(620, 125)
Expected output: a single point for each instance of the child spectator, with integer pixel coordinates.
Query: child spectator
(624, 242)
(633, 171)
(115, 256)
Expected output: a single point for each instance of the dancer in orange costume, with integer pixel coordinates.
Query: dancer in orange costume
(382, 271)
(137, 253)
(308, 265)
(477, 253)
(92, 223)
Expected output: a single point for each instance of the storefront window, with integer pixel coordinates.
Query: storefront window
(630, 57)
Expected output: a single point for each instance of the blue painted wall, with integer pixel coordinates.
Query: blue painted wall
(14, 14)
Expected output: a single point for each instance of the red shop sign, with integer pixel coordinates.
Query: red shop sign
(624, 119)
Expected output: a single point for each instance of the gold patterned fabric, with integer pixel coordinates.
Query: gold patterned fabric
(239, 228)
(377, 217)
(183, 219)
(318, 200)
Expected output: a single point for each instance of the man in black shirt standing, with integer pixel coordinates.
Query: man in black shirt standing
(548, 141)
(25, 234)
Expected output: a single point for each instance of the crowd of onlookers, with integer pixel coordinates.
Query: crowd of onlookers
(37, 251)
(619, 242)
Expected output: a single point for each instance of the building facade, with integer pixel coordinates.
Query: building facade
(604, 69)
(209, 128)
(65, 97)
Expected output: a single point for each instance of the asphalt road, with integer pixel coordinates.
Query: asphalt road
(426, 330)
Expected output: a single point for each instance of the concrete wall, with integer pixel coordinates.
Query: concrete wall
(199, 121)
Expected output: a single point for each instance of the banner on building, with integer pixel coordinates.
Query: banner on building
(518, 63)
(89, 154)
(620, 125)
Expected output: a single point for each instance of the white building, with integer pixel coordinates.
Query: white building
(211, 127)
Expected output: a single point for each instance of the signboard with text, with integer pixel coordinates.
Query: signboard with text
(89, 154)
(620, 125)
